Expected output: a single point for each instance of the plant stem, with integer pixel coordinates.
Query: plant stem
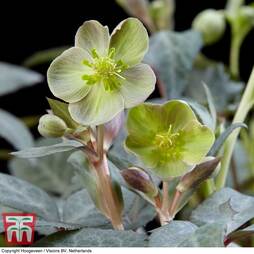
(234, 57)
(106, 184)
(233, 5)
(165, 199)
(173, 206)
(100, 141)
(161, 89)
(245, 105)
(238, 33)
(164, 214)
(234, 173)
(208, 188)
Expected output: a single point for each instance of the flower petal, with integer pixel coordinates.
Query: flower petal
(197, 140)
(144, 122)
(173, 168)
(144, 149)
(98, 107)
(177, 113)
(139, 84)
(130, 40)
(151, 157)
(93, 35)
(65, 75)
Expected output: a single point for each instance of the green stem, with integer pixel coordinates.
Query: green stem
(241, 113)
(233, 5)
(208, 188)
(234, 57)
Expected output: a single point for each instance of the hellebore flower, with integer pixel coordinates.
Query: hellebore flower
(102, 74)
(168, 138)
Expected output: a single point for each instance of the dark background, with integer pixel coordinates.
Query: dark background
(27, 27)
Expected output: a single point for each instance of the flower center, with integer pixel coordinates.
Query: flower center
(168, 143)
(105, 70)
(167, 139)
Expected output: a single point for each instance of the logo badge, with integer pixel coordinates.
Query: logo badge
(19, 228)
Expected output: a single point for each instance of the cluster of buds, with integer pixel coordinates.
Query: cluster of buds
(139, 181)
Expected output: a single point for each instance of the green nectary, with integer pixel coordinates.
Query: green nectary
(107, 71)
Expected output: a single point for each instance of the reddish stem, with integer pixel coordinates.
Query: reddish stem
(173, 206)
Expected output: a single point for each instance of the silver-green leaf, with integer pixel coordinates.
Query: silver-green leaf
(13, 78)
(52, 173)
(42, 151)
(14, 131)
(226, 207)
(79, 209)
(25, 197)
(92, 237)
(171, 54)
(209, 235)
(172, 234)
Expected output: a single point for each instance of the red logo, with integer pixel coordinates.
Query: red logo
(19, 228)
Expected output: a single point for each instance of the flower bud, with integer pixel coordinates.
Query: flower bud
(211, 24)
(112, 129)
(138, 9)
(139, 180)
(200, 173)
(161, 11)
(51, 126)
(213, 161)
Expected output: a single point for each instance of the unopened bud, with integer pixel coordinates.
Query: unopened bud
(139, 180)
(217, 169)
(200, 173)
(211, 24)
(51, 126)
(139, 9)
(161, 12)
(112, 129)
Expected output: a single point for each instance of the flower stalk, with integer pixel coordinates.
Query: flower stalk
(105, 181)
(164, 214)
(234, 57)
(245, 105)
(174, 203)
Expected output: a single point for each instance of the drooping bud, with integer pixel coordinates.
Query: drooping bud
(161, 12)
(211, 24)
(51, 126)
(199, 174)
(139, 180)
(139, 9)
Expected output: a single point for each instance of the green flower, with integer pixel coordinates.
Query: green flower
(168, 138)
(102, 74)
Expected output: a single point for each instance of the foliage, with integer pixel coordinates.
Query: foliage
(101, 175)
